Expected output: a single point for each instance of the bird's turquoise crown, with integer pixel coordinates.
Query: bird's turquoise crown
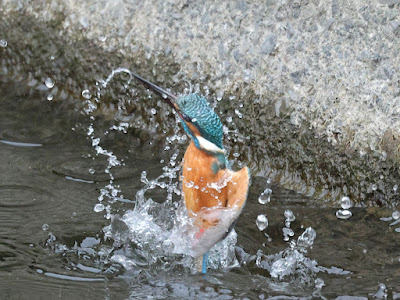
(203, 118)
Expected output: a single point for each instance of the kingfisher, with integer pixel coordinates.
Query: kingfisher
(213, 193)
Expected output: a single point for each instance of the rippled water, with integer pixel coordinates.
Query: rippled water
(54, 245)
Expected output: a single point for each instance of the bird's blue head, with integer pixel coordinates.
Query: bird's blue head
(199, 120)
(203, 124)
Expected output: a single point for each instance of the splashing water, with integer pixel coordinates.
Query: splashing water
(265, 196)
(262, 222)
(345, 202)
(343, 214)
(155, 233)
(292, 261)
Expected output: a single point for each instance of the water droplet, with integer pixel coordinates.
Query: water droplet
(143, 177)
(45, 227)
(50, 97)
(74, 214)
(229, 119)
(3, 43)
(153, 111)
(382, 292)
(91, 171)
(102, 38)
(86, 94)
(395, 187)
(289, 215)
(319, 283)
(265, 196)
(287, 232)
(220, 94)
(238, 113)
(307, 238)
(49, 83)
(396, 215)
(99, 207)
(374, 187)
(345, 202)
(343, 214)
(189, 184)
(262, 222)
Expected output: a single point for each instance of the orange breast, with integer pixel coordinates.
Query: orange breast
(201, 187)
(204, 189)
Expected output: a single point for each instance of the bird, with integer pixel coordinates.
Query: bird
(211, 189)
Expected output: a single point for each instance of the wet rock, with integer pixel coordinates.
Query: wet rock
(266, 55)
(269, 44)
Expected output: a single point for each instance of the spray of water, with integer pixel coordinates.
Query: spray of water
(153, 233)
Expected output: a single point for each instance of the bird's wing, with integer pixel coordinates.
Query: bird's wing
(238, 188)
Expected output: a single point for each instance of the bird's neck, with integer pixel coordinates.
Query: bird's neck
(217, 160)
(207, 146)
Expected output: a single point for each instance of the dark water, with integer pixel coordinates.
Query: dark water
(52, 243)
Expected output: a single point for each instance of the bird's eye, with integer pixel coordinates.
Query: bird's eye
(186, 118)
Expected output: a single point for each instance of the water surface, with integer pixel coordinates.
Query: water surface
(53, 244)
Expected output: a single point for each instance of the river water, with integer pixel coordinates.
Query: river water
(89, 211)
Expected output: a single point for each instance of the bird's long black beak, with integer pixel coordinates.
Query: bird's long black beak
(168, 97)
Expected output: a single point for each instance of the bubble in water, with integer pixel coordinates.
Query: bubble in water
(99, 207)
(265, 196)
(289, 215)
(307, 238)
(86, 94)
(395, 187)
(262, 222)
(91, 171)
(3, 43)
(153, 111)
(345, 202)
(45, 227)
(50, 97)
(49, 83)
(396, 215)
(374, 187)
(343, 214)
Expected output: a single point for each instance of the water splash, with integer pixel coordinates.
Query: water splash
(344, 213)
(292, 261)
(265, 196)
(152, 233)
(381, 293)
(49, 82)
(345, 202)
(3, 43)
(262, 222)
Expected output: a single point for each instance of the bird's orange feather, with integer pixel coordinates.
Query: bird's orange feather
(204, 189)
